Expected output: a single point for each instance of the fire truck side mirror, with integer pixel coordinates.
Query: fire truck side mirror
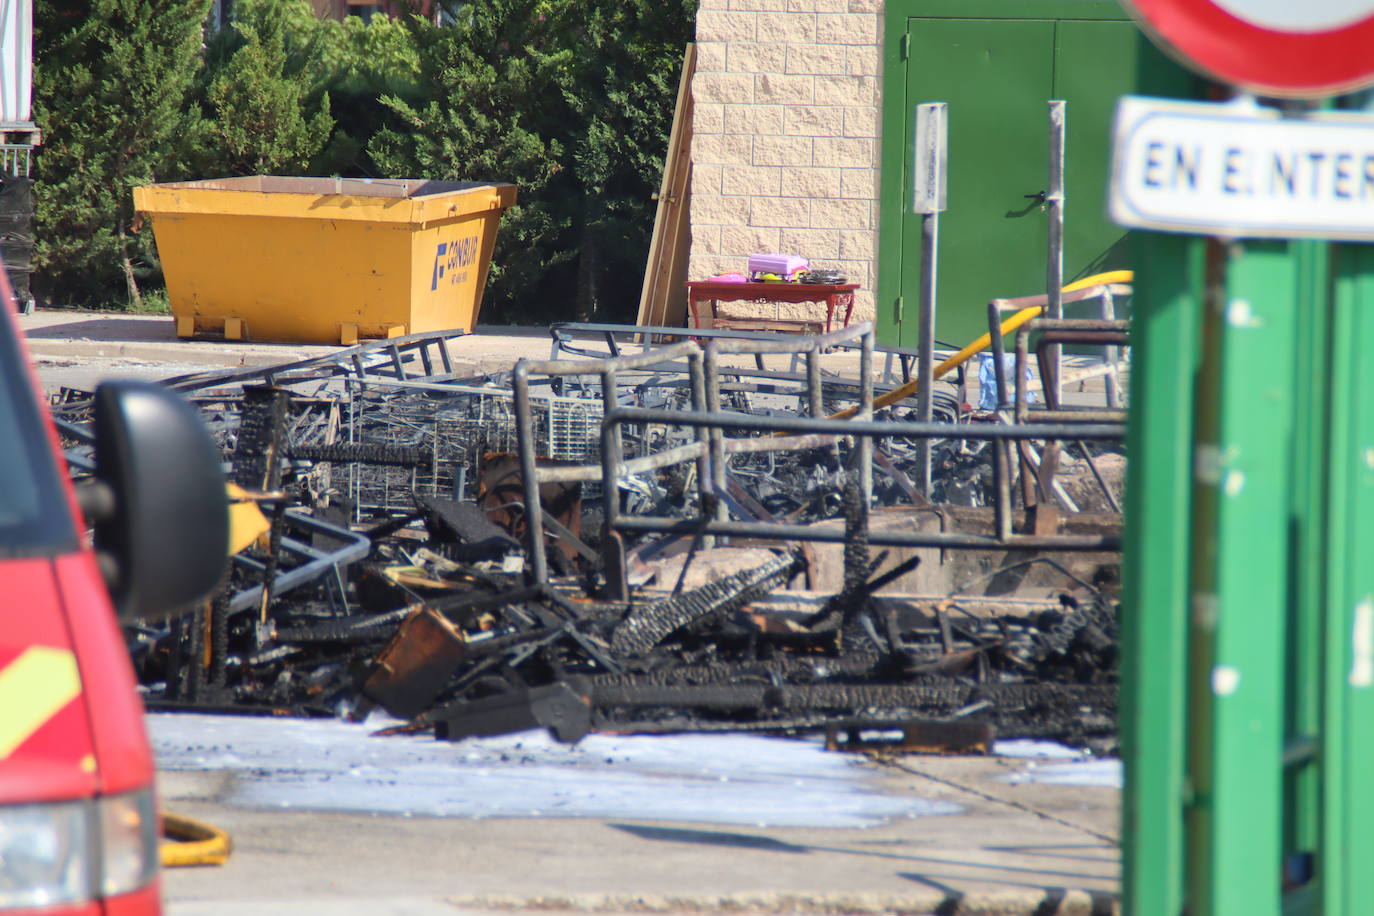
(164, 542)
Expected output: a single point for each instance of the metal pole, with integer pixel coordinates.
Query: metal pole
(928, 199)
(1054, 199)
(1110, 354)
(930, 239)
(534, 517)
(864, 449)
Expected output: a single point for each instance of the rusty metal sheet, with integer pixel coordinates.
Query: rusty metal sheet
(917, 736)
(416, 664)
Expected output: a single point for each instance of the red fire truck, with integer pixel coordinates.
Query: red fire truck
(78, 821)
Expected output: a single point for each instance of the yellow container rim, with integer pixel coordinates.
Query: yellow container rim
(402, 200)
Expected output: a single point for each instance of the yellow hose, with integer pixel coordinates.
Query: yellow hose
(983, 341)
(188, 842)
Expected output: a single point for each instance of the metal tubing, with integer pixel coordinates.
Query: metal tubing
(1001, 475)
(1054, 270)
(882, 538)
(529, 481)
(318, 562)
(878, 428)
(612, 555)
(1110, 354)
(1087, 415)
(999, 350)
(690, 451)
(1097, 475)
(815, 394)
(715, 436)
(696, 368)
(864, 452)
(925, 369)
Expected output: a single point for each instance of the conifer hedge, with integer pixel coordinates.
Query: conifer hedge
(569, 99)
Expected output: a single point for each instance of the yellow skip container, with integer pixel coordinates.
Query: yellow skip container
(323, 260)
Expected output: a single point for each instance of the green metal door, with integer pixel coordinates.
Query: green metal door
(997, 74)
(996, 77)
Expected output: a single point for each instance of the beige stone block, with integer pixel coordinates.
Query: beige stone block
(860, 122)
(779, 89)
(792, 27)
(755, 119)
(845, 152)
(722, 149)
(842, 214)
(846, 90)
(751, 180)
(742, 241)
(711, 56)
(756, 57)
(756, 5)
(816, 59)
(865, 6)
(863, 61)
(712, 5)
(706, 178)
(708, 118)
(857, 244)
(832, 6)
(783, 212)
(801, 6)
(706, 239)
(810, 182)
(722, 25)
(782, 150)
(722, 87)
(861, 184)
(813, 121)
(812, 244)
(712, 210)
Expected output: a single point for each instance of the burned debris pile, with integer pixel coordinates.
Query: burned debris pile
(388, 561)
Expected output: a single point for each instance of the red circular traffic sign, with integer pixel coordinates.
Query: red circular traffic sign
(1297, 48)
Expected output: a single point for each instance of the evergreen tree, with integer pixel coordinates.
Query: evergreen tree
(492, 83)
(572, 100)
(110, 88)
(622, 99)
(262, 119)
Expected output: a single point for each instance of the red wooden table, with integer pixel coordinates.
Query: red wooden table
(833, 295)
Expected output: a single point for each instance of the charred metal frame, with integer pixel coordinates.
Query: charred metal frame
(712, 446)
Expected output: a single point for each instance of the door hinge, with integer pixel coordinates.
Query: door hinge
(904, 46)
(897, 312)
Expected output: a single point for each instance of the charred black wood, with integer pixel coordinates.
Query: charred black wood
(362, 453)
(647, 626)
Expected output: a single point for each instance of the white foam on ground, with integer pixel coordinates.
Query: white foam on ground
(331, 765)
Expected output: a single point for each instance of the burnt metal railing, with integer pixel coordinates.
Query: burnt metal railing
(766, 433)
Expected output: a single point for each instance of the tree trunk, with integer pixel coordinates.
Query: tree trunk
(135, 298)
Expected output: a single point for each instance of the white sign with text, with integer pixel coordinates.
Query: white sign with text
(1242, 171)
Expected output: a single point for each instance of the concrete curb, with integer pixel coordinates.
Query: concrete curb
(945, 903)
(169, 353)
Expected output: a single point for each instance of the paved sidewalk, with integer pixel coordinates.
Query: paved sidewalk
(1039, 850)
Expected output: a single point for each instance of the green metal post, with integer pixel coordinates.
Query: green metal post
(1307, 582)
(1240, 581)
(1347, 746)
(1165, 338)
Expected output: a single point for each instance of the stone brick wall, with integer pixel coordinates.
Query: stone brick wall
(785, 138)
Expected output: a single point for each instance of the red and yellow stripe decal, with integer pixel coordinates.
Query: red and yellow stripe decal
(36, 686)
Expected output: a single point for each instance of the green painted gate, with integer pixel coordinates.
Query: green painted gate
(997, 63)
